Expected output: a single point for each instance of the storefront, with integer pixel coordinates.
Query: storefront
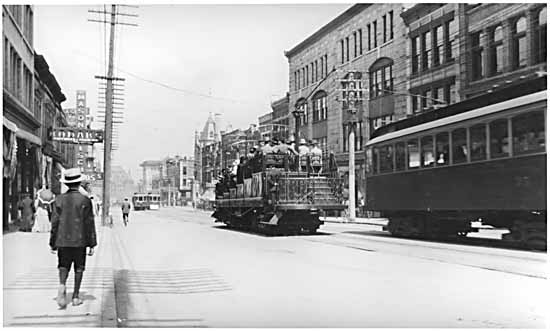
(22, 158)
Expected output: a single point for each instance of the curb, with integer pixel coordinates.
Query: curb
(108, 304)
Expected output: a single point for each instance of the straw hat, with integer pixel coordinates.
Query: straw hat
(302, 141)
(72, 175)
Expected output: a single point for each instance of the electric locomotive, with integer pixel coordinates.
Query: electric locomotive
(277, 199)
(480, 159)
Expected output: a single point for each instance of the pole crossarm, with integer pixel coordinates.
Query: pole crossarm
(112, 23)
(109, 78)
(108, 12)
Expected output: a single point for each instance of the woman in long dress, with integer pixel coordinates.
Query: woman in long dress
(43, 203)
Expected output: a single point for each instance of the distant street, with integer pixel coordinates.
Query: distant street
(175, 267)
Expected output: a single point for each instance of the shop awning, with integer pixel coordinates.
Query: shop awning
(10, 125)
(20, 133)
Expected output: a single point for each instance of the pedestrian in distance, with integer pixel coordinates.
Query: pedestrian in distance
(73, 230)
(303, 152)
(125, 211)
(316, 157)
(27, 208)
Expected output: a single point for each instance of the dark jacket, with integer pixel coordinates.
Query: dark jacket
(73, 221)
(126, 207)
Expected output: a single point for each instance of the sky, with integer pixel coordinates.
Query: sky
(235, 53)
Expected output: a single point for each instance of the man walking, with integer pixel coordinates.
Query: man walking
(73, 229)
(125, 211)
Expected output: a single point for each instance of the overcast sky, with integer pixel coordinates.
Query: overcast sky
(233, 52)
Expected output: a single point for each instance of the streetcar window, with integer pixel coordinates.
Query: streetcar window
(528, 133)
(400, 156)
(369, 161)
(427, 155)
(375, 160)
(386, 159)
(478, 142)
(442, 149)
(498, 131)
(460, 149)
(413, 153)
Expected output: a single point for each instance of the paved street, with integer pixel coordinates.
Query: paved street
(175, 267)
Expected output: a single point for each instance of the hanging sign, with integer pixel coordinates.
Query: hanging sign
(77, 136)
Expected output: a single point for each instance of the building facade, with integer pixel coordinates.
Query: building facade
(366, 38)
(56, 156)
(21, 138)
(151, 172)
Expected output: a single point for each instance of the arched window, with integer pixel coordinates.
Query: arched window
(540, 36)
(381, 77)
(496, 51)
(519, 42)
(301, 105)
(320, 106)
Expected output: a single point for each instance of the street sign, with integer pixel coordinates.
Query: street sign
(77, 135)
(94, 175)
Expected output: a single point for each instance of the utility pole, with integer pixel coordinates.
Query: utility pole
(109, 105)
(352, 101)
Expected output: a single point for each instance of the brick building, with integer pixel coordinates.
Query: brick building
(457, 51)
(368, 38)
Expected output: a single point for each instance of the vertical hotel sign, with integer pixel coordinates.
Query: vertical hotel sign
(82, 151)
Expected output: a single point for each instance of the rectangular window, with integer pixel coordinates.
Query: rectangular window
(424, 102)
(355, 45)
(342, 50)
(496, 51)
(540, 35)
(360, 41)
(413, 154)
(322, 66)
(438, 46)
(414, 103)
(415, 50)
(442, 148)
(478, 142)
(347, 49)
(391, 24)
(295, 81)
(498, 131)
(450, 32)
(6, 62)
(359, 136)
(477, 55)
(368, 38)
(374, 37)
(400, 156)
(384, 28)
(345, 138)
(375, 158)
(427, 156)
(386, 159)
(426, 50)
(528, 133)
(304, 77)
(460, 149)
(316, 71)
(326, 65)
(307, 75)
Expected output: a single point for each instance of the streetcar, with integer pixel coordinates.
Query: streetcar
(146, 201)
(481, 159)
(277, 199)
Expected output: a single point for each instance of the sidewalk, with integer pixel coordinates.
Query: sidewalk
(31, 282)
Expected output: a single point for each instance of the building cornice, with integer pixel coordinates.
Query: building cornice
(329, 27)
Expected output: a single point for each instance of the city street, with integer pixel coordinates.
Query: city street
(176, 267)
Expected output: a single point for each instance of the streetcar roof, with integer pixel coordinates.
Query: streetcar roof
(491, 109)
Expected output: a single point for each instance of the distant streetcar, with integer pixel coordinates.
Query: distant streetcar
(484, 158)
(146, 201)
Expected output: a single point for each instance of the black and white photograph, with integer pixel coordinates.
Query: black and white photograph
(275, 165)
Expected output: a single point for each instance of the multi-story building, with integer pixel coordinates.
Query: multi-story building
(366, 38)
(435, 55)
(265, 127)
(56, 156)
(187, 184)
(504, 43)
(457, 51)
(21, 138)
(150, 175)
(280, 117)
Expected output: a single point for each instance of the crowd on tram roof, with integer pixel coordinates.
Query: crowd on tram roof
(306, 156)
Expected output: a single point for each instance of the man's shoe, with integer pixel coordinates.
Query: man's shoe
(77, 301)
(61, 301)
